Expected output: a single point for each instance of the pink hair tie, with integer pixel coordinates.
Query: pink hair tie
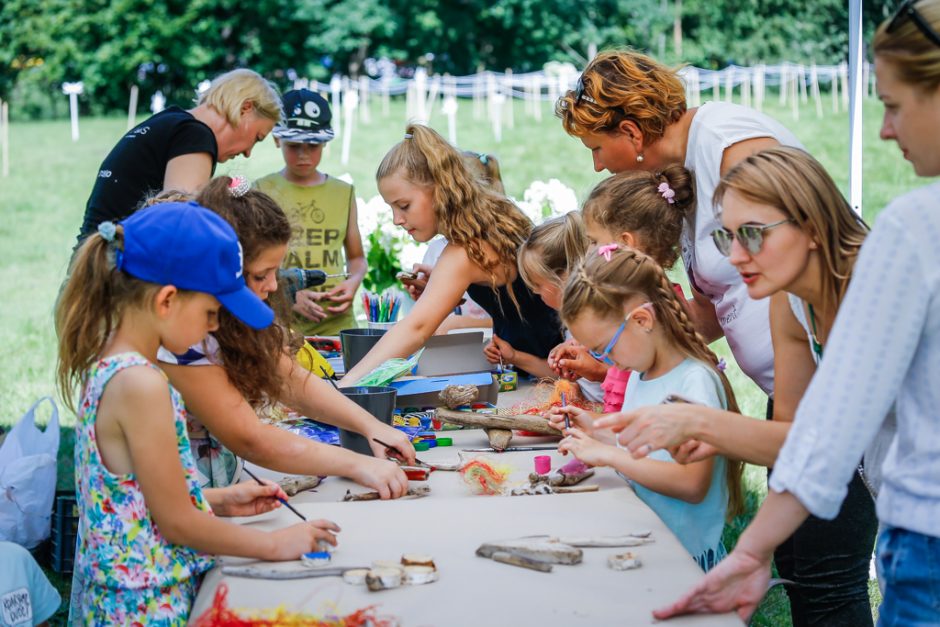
(667, 192)
(239, 186)
(607, 250)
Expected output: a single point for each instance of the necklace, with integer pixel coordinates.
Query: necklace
(817, 345)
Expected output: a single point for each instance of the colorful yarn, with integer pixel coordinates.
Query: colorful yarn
(221, 615)
(484, 476)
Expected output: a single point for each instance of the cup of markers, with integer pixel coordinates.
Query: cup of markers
(381, 309)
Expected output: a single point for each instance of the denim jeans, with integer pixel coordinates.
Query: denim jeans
(910, 565)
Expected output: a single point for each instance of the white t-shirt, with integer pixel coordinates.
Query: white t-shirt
(26, 596)
(746, 322)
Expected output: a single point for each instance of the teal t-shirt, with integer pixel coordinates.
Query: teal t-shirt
(26, 596)
(698, 526)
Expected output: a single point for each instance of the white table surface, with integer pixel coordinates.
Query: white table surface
(451, 523)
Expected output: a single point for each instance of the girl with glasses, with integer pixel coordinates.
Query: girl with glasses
(884, 349)
(630, 111)
(794, 240)
(620, 304)
(642, 210)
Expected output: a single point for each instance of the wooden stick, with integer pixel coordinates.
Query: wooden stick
(519, 560)
(525, 422)
(261, 572)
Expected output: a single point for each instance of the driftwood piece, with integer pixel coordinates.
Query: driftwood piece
(536, 548)
(453, 396)
(515, 559)
(275, 574)
(605, 541)
(295, 485)
(499, 438)
(624, 561)
(535, 424)
(414, 492)
(560, 478)
(544, 488)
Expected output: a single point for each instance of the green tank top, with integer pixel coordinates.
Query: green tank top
(319, 215)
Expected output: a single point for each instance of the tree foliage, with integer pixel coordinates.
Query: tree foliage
(172, 45)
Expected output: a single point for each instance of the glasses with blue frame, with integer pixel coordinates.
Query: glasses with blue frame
(604, 356)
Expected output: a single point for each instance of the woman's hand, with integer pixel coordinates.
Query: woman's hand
(383, 476)
(573, 361)
(292, 542)
(245, 499)
(307, 304)
(585, 448)
(416, 286)
(342, 295)
(577, 417)
(498, 349)
(651, 428)
(392, 437)
(693, 451)
(737, 584)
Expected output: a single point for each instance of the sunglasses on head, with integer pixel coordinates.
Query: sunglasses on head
(579, 94)
(907, 10)
(750, 236)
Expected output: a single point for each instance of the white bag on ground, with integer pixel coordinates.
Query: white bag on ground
(28, 478)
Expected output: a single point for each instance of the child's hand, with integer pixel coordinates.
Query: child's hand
(342, 295)
(381, 475)
(292, 542)
(578, 417)
(394, 437)
(573, 361)
(556, 353)
(416, 286)
(585, 448)
(498, 348)
(246, 499)
(308, 306)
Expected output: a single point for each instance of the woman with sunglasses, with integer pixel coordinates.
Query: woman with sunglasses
(631, 112)
(884, 349)
(794, 240)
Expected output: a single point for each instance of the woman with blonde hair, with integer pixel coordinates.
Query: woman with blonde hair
(884, 349)
(178, 149)
(793, 238)
(431, 191)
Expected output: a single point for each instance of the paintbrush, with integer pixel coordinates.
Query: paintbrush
(511, 449)
(564, 403)
(328, 378)
(283, 501)
(399, 453)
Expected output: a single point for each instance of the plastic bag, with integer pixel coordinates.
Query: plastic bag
(28, 478)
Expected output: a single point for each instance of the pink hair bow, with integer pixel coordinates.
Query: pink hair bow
(667, 192)
(607, 250)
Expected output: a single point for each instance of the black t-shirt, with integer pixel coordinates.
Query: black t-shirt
(537, 331)
(136, 166)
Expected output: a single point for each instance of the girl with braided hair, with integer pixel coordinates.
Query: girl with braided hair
(620, 303)
(431, 191)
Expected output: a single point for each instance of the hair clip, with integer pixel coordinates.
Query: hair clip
(239, 186)
(107, 230)
(408, 135)
(667, 192)
(721, 365)
(484, 158)
(607, 250)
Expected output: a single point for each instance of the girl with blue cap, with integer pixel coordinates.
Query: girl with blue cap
(146, 530)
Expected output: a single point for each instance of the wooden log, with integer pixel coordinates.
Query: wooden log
(519, 560)
(413, 493)
(537, 548)
(535, 424)
(499, 438)
(295, 485)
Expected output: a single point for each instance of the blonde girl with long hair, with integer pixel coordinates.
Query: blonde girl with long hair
(146, 532)
(621, 304)
(431, 191)
(545, 261)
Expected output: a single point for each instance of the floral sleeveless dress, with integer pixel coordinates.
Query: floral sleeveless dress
(126, 571)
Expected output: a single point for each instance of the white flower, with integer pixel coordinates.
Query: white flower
(547, 199)
(411, 253)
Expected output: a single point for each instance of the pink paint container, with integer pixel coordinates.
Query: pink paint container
(543, 464)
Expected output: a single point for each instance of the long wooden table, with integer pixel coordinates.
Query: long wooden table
(450, 524)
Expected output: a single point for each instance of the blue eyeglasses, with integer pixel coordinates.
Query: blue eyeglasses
(604, 356)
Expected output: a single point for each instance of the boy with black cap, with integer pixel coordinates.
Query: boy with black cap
(323, 211)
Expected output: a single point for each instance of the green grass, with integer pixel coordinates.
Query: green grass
(43, 200)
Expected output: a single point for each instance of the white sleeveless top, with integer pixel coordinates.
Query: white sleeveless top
(746, 322)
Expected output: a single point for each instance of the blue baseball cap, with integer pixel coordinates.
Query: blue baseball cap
(186, 245)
